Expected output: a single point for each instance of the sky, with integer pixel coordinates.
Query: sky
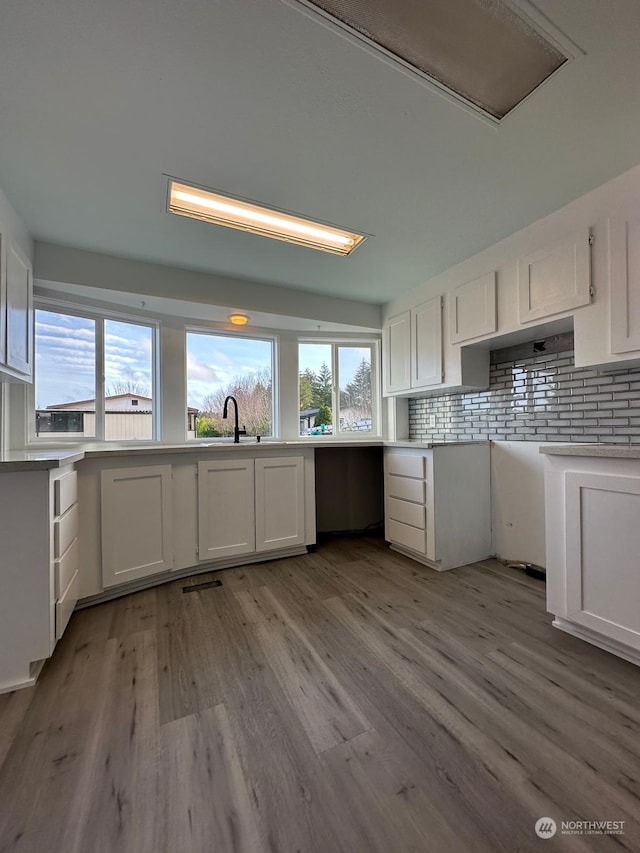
(65, 358)
(66, 351)
(214, 361)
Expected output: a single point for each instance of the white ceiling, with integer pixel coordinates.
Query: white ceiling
(100, 98)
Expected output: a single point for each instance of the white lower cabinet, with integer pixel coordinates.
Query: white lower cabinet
(438, 504)
(280, 502)
(39, 568)
(250, 505)
(137, 523)
(593, 543)
(226, 508)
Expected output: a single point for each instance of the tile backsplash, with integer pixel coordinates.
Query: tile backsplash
(543, 397)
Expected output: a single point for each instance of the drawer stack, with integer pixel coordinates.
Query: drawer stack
(405, 491)
(65, 548)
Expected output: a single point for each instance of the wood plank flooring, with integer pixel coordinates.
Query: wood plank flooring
(346, 700)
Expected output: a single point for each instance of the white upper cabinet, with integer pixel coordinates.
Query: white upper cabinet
(412, 348)
(396, 353)
(16, 314)
(426, 343)
(472, 309)
(555, 278)
(624, 260)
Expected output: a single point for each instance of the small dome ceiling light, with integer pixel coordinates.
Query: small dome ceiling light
(238, 319)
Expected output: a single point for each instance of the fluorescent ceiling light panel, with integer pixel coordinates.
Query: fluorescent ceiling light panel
(488, 54)
(186, 200)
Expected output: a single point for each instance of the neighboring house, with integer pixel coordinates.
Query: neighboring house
(307, 417)
(127, 417)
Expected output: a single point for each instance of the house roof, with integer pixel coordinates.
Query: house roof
(262, 100)
(114, 403)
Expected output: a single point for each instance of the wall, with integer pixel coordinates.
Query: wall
(555, 401)
(537, 398)
(61, 264)
(591, 322)
(349, 489)
(531, 399)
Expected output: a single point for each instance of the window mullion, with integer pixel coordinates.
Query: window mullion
(335, 393)
(100, 376)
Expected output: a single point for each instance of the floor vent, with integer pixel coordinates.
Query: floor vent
(196, 587)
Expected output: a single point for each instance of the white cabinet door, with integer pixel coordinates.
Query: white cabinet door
(426, 344)
(137, 523)
(280, 504)
(602, 548)
(19, 314)
(472, 309)
(396, 350)
(226, 508)
(555, 278)
(624, 259)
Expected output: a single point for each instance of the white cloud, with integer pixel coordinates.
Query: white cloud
(199, 371)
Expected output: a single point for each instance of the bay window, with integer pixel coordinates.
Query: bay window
(338, 389)
(94, 377)
(219, 365)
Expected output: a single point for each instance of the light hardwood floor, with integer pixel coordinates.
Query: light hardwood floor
(348, 700)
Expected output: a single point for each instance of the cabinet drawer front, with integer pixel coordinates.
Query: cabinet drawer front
(406, 512)
(65, 530)
(65, 605)
(65, 492)
(404, 534)
(406, 465)
(406, 489)
(66, 567)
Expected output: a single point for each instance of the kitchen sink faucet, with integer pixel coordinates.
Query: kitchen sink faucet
(236, 432)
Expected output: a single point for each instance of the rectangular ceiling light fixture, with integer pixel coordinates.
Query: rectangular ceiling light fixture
(198, 203)
(487, 54)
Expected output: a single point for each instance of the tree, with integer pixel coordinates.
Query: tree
(253, 395)
(324, 386)
(127, 386)
(307, 389)
(323, 417)
(356, 395)
(206, 428)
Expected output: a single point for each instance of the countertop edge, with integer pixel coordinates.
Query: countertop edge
(602, 451)
(34, 460)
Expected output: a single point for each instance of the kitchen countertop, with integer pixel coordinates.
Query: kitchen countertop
(40, 460)
(612, 451)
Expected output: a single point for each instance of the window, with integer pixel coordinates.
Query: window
(337, 389)
(94, 377)
(222, 365)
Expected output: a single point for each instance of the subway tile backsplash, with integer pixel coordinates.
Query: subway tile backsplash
(538, 398)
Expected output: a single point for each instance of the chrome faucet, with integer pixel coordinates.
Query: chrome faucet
(236, 432)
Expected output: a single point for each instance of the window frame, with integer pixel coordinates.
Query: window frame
(373, 344)
(232, 333)
(99, 315)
